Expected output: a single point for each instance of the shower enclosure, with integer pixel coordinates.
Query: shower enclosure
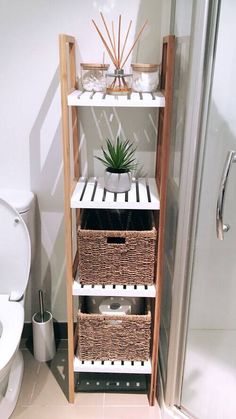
(199, 372)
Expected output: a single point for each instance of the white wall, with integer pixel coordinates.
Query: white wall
(30, 112)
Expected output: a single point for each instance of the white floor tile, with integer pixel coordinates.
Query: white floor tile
(44, 389)
(210, 374)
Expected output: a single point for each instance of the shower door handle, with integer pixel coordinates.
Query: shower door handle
(222, 228)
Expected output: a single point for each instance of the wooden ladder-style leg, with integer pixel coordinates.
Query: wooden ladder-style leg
(67, 59)
(162, 164)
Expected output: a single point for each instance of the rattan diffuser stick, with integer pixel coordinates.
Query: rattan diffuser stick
(106, 46)
(117, 55)
(127, 34)
(119, 41)
(135, 42)
(114, 39)
(113, 45)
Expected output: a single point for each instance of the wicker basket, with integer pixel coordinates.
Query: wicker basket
(111, 337)
(117, 247)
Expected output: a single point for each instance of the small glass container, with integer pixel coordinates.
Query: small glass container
(145, 77)
(118, 83)
(93, 77)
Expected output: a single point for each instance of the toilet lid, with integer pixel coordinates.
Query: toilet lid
(15, 252)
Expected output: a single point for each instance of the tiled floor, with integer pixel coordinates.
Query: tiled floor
(210, 374)
(43, 396)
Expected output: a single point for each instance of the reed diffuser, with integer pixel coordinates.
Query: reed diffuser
(118, 82)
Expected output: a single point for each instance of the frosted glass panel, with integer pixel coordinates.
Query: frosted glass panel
(210, 366)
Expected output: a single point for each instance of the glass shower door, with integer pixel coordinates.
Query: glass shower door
(209, 379)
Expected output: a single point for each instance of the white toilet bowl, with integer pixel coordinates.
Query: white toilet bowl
(15, 259)
(12, 321)
(11, 325)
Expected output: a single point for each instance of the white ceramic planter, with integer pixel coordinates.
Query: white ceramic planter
(117, 182)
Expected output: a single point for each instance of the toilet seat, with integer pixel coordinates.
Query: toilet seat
(12, 320)
(15, 252)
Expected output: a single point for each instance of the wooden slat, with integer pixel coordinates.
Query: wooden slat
(74, 115)
(79, 190)
(99, 191)
(159, 147)
(162, 174)
(74, 120)
(143, 196)
(132, 195)
(109, 197)
(120, 197)
(64, 41)
(67, 39)
(152, 188)
(88, 194)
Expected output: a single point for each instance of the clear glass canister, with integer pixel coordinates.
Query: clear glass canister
(93, 77)
(118, 83)
(145, 77)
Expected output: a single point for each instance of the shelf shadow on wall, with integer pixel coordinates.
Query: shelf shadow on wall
(46, 181)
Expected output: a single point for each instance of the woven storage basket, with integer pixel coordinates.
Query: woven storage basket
(111, 337)
(117, 247)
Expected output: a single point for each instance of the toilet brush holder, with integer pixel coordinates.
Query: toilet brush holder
(43, 334)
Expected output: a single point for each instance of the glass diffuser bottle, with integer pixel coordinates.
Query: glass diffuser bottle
(118, 83)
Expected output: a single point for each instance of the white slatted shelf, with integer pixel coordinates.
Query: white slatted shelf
(123, 367)
(90, 193)
(114, 290)
(134, 100)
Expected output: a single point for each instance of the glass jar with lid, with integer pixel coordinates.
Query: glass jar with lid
(93, 77)
(145, 77)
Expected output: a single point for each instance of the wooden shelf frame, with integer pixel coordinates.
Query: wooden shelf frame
(68, 83)
(162, 166)
(70, 134)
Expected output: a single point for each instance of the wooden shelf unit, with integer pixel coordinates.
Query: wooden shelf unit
(89, 193)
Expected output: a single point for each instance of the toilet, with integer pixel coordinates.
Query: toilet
(16, 250)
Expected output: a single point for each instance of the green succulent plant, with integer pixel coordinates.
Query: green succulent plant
(119, 156)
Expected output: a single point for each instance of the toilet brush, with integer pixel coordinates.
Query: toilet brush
(43, 333)
(41, 305)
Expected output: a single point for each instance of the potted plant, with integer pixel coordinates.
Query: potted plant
(119, 161)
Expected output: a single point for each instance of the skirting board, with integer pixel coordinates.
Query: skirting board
(60, 330)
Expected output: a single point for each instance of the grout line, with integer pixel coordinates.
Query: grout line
(126, 403)
(32, 393)
(103, 406)
(38, 369)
